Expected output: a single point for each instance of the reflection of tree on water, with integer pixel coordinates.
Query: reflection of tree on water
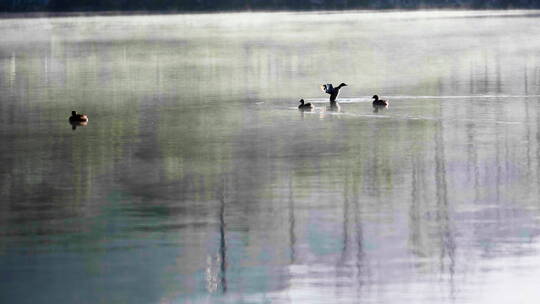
(345, 221)
(216, 272)
(360, 261)
(446, 234)
(472, 156)
(537, 152)
(415, 209)
(292, 222)
(222, 242)
(426, 195)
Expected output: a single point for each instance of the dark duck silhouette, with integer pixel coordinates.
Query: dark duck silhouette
(379, 102)
(78, 117)
(329, 89)
(305, 106)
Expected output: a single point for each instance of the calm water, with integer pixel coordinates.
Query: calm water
(197, 180)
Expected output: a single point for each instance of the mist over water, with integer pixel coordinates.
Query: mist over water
(197, 180)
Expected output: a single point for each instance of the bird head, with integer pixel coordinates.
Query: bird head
(375, 97)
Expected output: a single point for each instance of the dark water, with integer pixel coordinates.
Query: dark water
(197, 180)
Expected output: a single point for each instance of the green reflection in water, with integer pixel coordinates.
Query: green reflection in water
(196, 178)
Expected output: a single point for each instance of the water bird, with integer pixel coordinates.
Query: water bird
(78, 117)
(379, 102)
(305, 106)
(329, 89)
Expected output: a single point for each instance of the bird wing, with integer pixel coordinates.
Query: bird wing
(327, 88)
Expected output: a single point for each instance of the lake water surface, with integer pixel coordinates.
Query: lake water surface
(197, 180)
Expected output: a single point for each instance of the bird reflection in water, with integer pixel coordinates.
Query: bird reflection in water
(334, 107)
(75, 124)
(376, 108)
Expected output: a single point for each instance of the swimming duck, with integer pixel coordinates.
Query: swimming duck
(305, 106)
(329, 89)
(78, 117)
(379, 102)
